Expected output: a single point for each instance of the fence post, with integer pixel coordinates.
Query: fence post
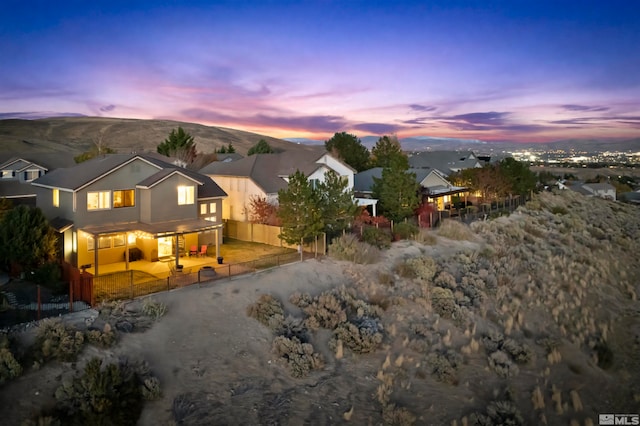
(229, 267)
(131, 282)
(38, 297)
(70, 297)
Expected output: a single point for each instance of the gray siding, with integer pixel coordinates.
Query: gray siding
(164, 201)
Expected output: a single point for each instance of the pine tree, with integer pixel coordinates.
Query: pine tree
(397, 192)
(388, 151)
(350, 149)
(261, 147)
(299, 210)
(337, 204)
(179, 145)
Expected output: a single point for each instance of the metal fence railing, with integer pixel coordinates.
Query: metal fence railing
(127, 285)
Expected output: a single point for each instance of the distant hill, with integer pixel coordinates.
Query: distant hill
(78, 134)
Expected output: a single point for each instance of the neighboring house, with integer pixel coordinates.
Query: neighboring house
(263, 175)
(434, 186)
(446, 162)
(602, 190)
(107, 205)
(227, 157)
(17, 173)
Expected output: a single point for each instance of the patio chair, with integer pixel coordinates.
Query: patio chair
(193, 251)
(203, 251)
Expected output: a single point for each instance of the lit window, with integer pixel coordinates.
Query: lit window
(90, 243)
(56, 198)
(104, 242)
(212, 207)
(30, 175)
(98, 200)
(124, 198)
(211, 218)
(203, 208)
(6, 174)
(186, 195)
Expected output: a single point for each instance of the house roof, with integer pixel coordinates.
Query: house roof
(269, 170)
(600, 186)
(363, 181)
(444, 161)
(16, 189)
(156, 229)
(47, 160)
(83, 174)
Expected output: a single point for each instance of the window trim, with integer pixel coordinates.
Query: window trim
(133, 191)
(186, 195)
(107, 197)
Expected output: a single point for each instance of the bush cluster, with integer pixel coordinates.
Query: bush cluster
(10, 368)
(443, 366)
(101, 395)
(362, 335)
(104, 338)
(153, 309)
(57, 341)
(268, 311)
(348, 247)
(455, 230)
(444, 303)
(405, 231)
(325, 311)
(377, 237)
(498, 413)
(423, 268)
(299, 357)
(495, 341)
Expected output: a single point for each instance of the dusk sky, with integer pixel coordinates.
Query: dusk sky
(493, 70)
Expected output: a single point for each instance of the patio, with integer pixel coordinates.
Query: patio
(232, 251)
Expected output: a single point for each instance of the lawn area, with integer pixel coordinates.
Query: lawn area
(236, 251)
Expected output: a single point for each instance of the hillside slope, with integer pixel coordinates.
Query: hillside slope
(125, 135)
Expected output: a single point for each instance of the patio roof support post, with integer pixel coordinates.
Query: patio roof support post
(126, 251)
(374, 209)
(177, 251)
(95, 254)
(217, 243)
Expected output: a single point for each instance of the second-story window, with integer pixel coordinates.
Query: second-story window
(186, 195)
(56, 198)
(99, 200)
(30, 175)
(203, 208)
(124, 198)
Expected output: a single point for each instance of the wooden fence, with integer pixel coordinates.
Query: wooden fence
(267, 234)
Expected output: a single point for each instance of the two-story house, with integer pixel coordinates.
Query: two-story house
(263, 175)
(106, 206)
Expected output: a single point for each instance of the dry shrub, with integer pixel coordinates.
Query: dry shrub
(503, 366)
(299, 357)
(443, 366)
(267, 310)
(293, 327)
(326, 311)
(405, 230)
(423, 268)
(426, 237)
(363, 335)
(348, 247)
(153, 309)
(495, 341)
(10, 368)
(380, 238)
(101, 395)
(455, 230)
(105, 338)
(397, 416)
(301, 300)
(498, 413)
(444, 303)
(385, 279)
(57, 341)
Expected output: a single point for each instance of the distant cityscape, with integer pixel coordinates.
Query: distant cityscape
(577, 157)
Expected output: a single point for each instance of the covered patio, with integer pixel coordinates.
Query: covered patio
(108, 248)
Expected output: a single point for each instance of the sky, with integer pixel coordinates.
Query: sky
(513, 70)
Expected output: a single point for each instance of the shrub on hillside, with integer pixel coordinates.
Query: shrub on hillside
(10, 368)
(423, 268)
(361, 336)
(503, 366)
(101, 395)
(104, 338)
(348, 247)
(153, 309)
(377, 237)
(443, 366)
(444, 303)
(57, 341)
(455, 230)
(405, 231)
(498, 413)
(299, 357)
(326, 311)
(267, 310)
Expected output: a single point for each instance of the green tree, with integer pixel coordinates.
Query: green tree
(397, 191)
(99, 148)
(521, 179)
(298, 210)
(26, 239)
(229, 149)
(388, 151)
(262, 147)
(179, 145)
(337, 204)
(350, 149)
